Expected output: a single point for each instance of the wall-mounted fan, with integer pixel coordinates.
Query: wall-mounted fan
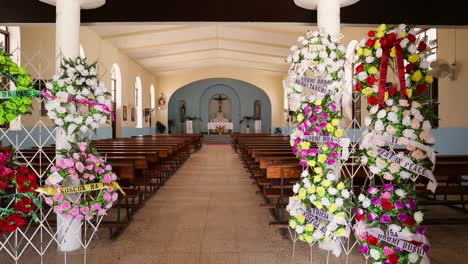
(441, 68)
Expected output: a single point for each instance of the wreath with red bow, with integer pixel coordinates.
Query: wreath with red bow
(17, 199)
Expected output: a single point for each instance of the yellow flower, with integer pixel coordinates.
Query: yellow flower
(300, 218)
(340, 186)
(291, 142)
(292, 224)
(393, 52)
(386, 96)
(339, 133)
(302, 194)
(317, 178)
(367, 52)
(409, 92)
(297, 198)
(309, 228)
(335, 122)
(318, 170)
(333, 207)
(404, 34)
(428, 79)
(382, 27)
(417, 76)
(325, 147)
(340, 232)
(311, 189)
(311, 163)
(326, 183)
(318, 102)
(322, 158)
(308, 238)
(305, 145)
(367, 91)
(377, 44)
(300, 117)
(372, 70)
(413, 58)
(318, 204)
(330, 127)
(341, 215)
(360, 51)
(320, 191)
(379, 34)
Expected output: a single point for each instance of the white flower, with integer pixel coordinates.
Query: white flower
(375, 254)
(95, 125)
(374, 169)
(378, 53)
(369, 59)
(345, 193)
(84, 129)
(409, 133)
(426, 125)
(403, 102)
(85, 92)
(418, 217)
(78, 120)
(339, 202)
(296, 187)
(317, 235)
(381, 114)
(312, 198)
(331, 176)
(293, 48)
(425, 64)
(60, 83)
(362, 76)
(404, 42)
(361, 197)
(393, 117)
(304, 172)
(49, 86)
(379, 126)
(413, 257)
(323, 55)
(406, 121)
(364, 160)
(58, 122)
(412, 48)
(332, 191)
(374, 109)
(300, 229)
(68, 118)
(367, 121)
(391, 130)
(71, 128)
(85, 72)
(289, 59)
(401, 193)
(80, 67)
(62, 97)
(332, 226)
(306, 182)
(61, 110)
(325, 201)
(295, 56)
(295, 102)
(366, 203)
(405, 175)
(388, 176)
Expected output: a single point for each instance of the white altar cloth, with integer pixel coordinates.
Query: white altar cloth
(213, 125)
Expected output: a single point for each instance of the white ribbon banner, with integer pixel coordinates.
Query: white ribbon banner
(315, 84)
(343, 142)
(319, 227)
(326, 216)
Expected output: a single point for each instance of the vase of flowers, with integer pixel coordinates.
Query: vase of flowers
(219, 130)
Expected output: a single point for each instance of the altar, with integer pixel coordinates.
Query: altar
(226, 125)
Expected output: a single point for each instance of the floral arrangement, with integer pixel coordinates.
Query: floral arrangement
(219, 129)
(20, 104)
(394, 210)
(320, 206)
(397, 119)
(77, 81)
(24, 182)
(97, 183)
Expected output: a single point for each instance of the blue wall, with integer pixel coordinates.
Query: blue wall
(198, 94)
(449, 141)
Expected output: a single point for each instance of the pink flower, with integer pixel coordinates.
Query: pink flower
(86, 176)
(108, 167)
(114, 177)
(92, 177)
(387, 251)
(424, 135)
(386, 195)
(73, 176)
(66, 205)
(114, 197)
(69, 163)
(96, 206)
(68, 216)
(107, 178)
(102, 212)
(88, 217)
(109, 205)
(54, 169)
(83, 146)
(80, 167)
(107, 196)
(79, 217)
(71, 171)
(48, 201)
(85, 210)
(76, 156)
(57, 209)
(75, 210)
(58, 197)
(90, 167)
(110, 189)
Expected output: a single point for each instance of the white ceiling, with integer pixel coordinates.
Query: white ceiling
(167, 48)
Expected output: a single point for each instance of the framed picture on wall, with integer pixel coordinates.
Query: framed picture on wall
(124, 113)
(132, 114)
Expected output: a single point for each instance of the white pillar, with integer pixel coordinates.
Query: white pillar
(68, 46)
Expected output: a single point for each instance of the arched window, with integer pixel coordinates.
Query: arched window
(116, 84)
(152, 95)
(138, 102)
(82, 52)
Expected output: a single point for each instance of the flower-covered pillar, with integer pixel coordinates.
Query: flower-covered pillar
(68, 46)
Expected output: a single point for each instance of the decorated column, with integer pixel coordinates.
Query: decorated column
(68, 46)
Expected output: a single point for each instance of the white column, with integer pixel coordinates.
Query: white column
(68, 46)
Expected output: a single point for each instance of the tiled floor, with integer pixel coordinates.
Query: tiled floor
(209, 213)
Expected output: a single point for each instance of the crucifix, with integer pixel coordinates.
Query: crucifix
(220, 99)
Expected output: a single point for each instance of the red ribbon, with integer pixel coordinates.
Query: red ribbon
(82, 101)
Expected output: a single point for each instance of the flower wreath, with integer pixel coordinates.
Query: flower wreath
(319, 207)
(392, 208)
(18, 103)
(24, 202)
(77, 82)
(397, 120)
(97, 181)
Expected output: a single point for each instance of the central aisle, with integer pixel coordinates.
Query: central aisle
(208, 212)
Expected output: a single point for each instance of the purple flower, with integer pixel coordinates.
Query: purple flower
(304, 154)
(372, 190)
(371, 216)
(323, 124)
(364, 249)
(389, 187)
(314, 119)
(313, 151)
(333, 154)
(402, 216)
(324, 115)
(359, 211)
(306, 124)
(387, 262)
(400, 250)
(301, 127)
(318, 109)
(426, 247)
(317, 129)
(295, 150)
(376, 201)
(330, 162)
(411, 205)
(332, 107)
(421, 230)
(307, 133)
(308, 111)
(303, 163)
(399, 205)
(385, 219)
(297, 140)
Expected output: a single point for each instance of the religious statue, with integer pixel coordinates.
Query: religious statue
(220, 99)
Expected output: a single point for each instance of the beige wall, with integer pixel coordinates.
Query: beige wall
(39, 42)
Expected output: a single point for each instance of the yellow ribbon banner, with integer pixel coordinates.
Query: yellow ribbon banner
(79, 188)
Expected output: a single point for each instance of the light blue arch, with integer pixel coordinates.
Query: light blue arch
(227, 91)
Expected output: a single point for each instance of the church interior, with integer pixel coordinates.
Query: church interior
(244, 132)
